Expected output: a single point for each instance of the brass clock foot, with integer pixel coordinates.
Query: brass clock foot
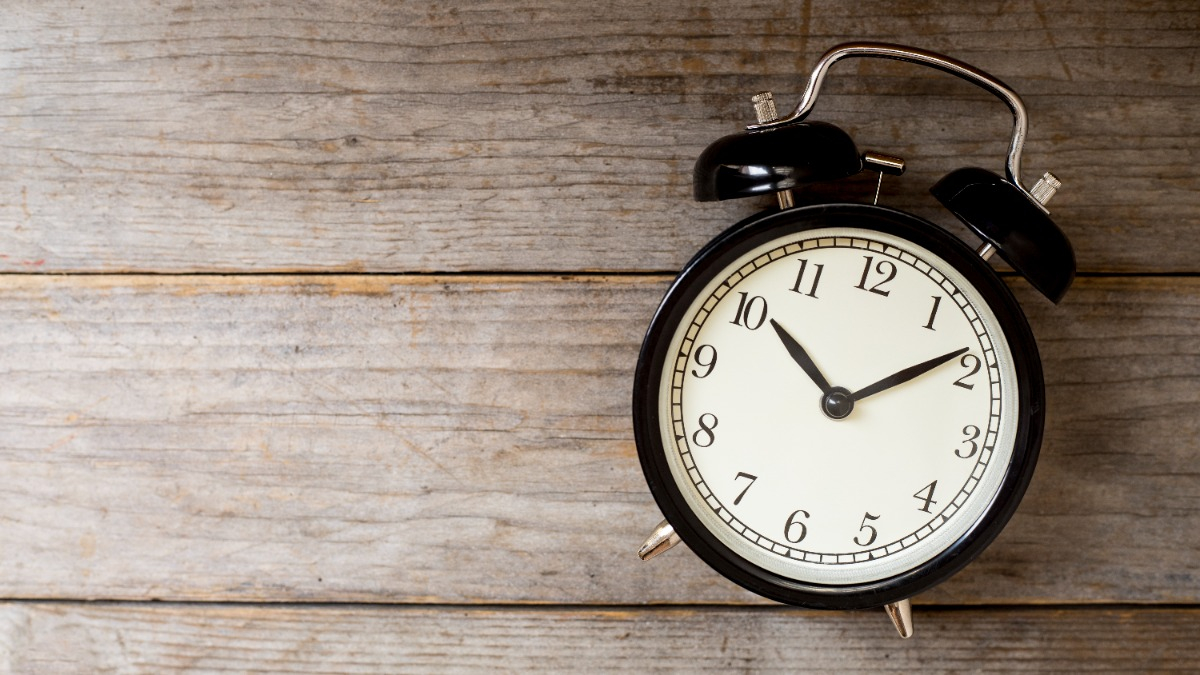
(901, 615)
(661, 540)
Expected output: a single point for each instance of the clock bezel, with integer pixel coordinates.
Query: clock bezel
(758, 230)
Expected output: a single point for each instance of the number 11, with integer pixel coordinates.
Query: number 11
(812, 289)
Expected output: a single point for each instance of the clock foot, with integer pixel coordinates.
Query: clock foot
(901, 615)
(661, 540)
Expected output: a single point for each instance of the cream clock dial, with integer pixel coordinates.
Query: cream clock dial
(843, 474)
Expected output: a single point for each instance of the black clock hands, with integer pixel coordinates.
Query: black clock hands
(802, 358)
(838, 402)
(906, 374)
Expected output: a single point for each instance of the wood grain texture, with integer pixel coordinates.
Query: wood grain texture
(467, 440)
(553, 136)
(302, 411)
(218, 639)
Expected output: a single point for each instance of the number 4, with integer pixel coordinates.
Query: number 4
(925, 494)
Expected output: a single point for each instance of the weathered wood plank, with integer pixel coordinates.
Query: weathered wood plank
(414, 439)
(468, 136)
(168, 638)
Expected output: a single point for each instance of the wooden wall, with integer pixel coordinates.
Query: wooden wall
(318, 322)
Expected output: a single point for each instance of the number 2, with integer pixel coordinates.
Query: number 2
(965, 361)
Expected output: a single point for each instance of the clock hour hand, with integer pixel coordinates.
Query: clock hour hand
(906, 374)
(802, 358)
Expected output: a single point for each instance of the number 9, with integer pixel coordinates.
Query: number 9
(709, 364)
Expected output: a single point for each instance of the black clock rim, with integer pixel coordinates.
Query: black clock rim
(755, 231)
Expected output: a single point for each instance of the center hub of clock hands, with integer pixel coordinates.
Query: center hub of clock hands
(838, 402)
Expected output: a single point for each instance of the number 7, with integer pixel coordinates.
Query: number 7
(743, 492)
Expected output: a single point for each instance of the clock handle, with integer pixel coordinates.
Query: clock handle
(926, 58)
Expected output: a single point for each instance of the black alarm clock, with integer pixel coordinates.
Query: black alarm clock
(840, 405)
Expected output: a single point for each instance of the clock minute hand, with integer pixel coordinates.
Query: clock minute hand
(802, 358)
(906, 374)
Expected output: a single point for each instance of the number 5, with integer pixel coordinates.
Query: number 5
(874, 533)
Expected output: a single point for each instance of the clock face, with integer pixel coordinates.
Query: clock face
(837, 406)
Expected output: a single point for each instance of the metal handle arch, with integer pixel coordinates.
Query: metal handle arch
(926, 58)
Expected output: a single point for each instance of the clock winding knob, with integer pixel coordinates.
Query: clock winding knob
(764, 107)
(764, 111)
(1045, 188)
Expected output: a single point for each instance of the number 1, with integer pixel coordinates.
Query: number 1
(937, 300)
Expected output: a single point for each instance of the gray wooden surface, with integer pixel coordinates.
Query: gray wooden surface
(318, 321)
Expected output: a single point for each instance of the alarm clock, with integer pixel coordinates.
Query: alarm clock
(840, 405)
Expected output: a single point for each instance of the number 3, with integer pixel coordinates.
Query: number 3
(972, 433)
